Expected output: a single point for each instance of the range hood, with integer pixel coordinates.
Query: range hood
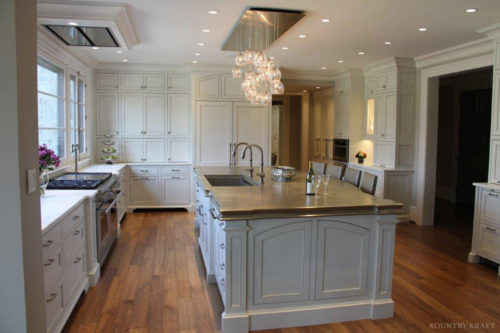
(83, 36)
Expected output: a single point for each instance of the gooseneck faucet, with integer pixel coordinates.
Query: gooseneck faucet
(233, 152)
(75, 149)
(250, 171)
(261, 173)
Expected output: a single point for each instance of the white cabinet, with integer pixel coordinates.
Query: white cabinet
(342, 118)
(214, 132)
(383, 153)
(178, 114)
(220, 86)
(107, 122)
(143, 150)
(207, 87)
(144, 191)
(105, 81)
(177, 82)
(494, 172)
(178, 150)
(385, 116)
(142, 81)
(231, 88)
(143, 114)
(386, 81)
(175, 190)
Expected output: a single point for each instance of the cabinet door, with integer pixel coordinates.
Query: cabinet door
(251, 124)
(380, 115)
(384, 153)
(132, 150)
(390, 116)
(495, 117)
(154, 114)
(342, 118)
(154, 150)
(144, 191)
(133, 81)
(370, 86)
(154, 81)
(178, 150)
(178, 114)
(107, 113)
(207, 87)
(213, 132)
(494, 162)
(175, 190)
(105, 81)
(231, 88)
(178, 82)
(133, 114)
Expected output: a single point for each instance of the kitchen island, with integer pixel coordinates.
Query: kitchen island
(282, 259)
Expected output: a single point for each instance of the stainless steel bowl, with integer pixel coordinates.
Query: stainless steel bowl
(283, 173)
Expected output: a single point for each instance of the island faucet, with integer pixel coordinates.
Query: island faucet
(75, 149)
(250, 171)
(261, 173)
(234, 150)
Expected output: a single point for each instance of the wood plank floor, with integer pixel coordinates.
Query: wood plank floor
(154, 281)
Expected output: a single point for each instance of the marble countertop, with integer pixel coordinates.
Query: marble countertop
(57, 203)
(113, 168)
(491, 186)
(288, 199)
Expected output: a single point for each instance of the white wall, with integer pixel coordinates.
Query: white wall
(21, 287)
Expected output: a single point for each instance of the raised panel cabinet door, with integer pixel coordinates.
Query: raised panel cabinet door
(390, 122)
(144, 191)
(154, 150)
(154, 114)
(133, 81)
(251, 124)
(495, 116)
(175, 190)
(105, 81)
(231, 88)
(380, 115)
(342, 117)
(178, 82)
(494, 171)
(154, 81)
(178, 150)
(178, 114)
(341, 260)
(132, 150)
(132, 114)
(207, 87)
(214, 132)
(107, 113)
(384, 153)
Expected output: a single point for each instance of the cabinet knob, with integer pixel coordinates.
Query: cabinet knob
(169, 132)
(77, 260)
(51, 297)
(222, 246)
(76, 232)
(491, 229)
(222, 267)
(49, 262)
(48, 243)
(493, 195)
(116, 87)
(76, 217)
(169, 158)
(384, 86)
(117, 132)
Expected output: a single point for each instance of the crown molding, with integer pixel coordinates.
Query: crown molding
(492, 31)
(137, 67)
(389, 63)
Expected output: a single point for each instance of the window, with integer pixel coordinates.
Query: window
(77, 109)
(51, 107)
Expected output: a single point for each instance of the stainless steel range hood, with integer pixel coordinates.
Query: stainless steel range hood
(84, 36)
(259, 27)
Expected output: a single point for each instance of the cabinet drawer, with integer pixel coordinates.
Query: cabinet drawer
(489, 242)
(176, 169)
(489, 210)
(53, 305)
(74, 242)
(75, 217)
(144, 171)
(74, 273)
(51, 239)
(52, 268)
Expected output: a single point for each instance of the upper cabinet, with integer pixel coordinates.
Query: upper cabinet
(177, 82)
(207, 87)
(218, 87)
(231, 88)
(107, 105)
(105, 81)
(385, 81)
(385, 116)
(142, 81)
(178, 114)
(143, 114)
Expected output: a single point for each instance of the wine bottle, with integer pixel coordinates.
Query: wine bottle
(309, 180)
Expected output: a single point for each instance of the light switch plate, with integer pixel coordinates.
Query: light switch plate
(31, 180)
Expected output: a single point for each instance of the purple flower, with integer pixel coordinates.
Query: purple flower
(47, 159)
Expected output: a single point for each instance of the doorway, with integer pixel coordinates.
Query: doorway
(286, 130)
(463, 139)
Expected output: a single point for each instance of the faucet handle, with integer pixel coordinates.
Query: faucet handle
(262, 175)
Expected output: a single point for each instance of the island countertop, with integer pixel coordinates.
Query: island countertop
(288, 199)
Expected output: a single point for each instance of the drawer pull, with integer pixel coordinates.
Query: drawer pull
(222, 246)
(176, 170)
(49, 262)
(76, 232)
(493, 195)
(77, 260)
(199, 211)
(48, 243)
(222, 266)
(223, 281)
(176, 177)
(76, 217)
(51, 297)
(221, 224)
(144, 170)
(212, 212)
(491, 229)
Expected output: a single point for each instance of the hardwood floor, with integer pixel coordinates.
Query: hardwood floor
(154, 281)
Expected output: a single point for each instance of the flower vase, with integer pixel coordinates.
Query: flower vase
(360, 160)
(44, 181)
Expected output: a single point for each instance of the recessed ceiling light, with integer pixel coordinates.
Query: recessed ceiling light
(197, 54)
(73, 23)
(471, 10)
(325, 20)
(206, 30)
(201, 44)
(304, 90)
(323, 67)
(95, 48)
(340, 61)
(318, 87)
(119, 51)
(387, 43)
(125, 60)
(194, 62)
(422, 29)
(361, 53)
(302, 36)
(284, 48)
(213, 12)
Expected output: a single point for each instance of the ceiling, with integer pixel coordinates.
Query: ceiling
(168, 31)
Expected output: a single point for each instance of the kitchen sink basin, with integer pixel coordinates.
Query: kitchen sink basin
(229, 180)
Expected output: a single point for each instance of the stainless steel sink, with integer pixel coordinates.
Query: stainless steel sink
(229, 180)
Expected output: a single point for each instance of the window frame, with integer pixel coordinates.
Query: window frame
(77, 102)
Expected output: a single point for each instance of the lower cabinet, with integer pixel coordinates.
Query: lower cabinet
(65, 274)
(175, 190)
(144, 191)
(220, 257)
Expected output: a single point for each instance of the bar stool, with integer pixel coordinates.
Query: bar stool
(352, 176)
(334, 170)
(318, 168)
(368, 183)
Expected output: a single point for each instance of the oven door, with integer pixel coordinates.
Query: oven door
(107, 227)
(340, 153)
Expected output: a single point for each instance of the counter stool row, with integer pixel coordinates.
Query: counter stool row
(365, 181)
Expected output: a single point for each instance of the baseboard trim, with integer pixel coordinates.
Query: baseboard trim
(94, 275)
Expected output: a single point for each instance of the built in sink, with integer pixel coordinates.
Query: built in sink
(229, 180)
